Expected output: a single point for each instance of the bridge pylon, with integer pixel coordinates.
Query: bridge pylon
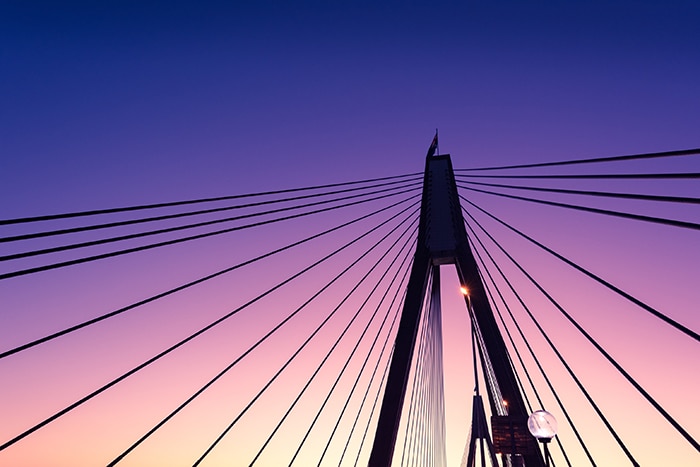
(442, 239)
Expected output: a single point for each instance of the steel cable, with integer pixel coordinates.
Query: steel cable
(120, 238)
(180, 343)
(188, 285)
(625, 215)
(181, 240)
(596, 278)
(196, 201)
(71, 230)
(652, 155)
(253, 347)
(238, 417)
(357, 344)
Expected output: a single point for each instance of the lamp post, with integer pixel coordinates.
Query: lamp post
(543, 426)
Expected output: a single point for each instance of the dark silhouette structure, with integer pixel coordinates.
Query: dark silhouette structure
(442, 239)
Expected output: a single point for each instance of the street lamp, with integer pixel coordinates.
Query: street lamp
(543, 426)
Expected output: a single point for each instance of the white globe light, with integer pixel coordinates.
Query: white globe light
(542, 425)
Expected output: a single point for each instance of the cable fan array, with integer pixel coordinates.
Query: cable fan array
(503, 273)
(340, 332)
(257, 329)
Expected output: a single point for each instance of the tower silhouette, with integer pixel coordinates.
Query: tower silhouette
(442, 239)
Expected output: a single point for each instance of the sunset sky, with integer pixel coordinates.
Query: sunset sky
(120, 103)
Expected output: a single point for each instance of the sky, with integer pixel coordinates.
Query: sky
(107, 104)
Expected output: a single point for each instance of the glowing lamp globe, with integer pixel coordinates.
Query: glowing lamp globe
(542, 425)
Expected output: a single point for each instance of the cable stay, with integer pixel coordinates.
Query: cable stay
(438, 412)
(494, 392)
(360, 373)
(526, 342)
(554, 349)
(495, 287)
(369, 273)
(324, 361)
(438, 366)
(200, 224)
(638, 176)
(267, 335)
(498, 313)
(416, 391)
(175, 346)
(617, 290)
(270, 333)
(382, 385)
(600, 349)
(300, 348)
(411, 418)
(184, 239)
(533, 387)
(420, 419)
(625, 215)
(479, 437)
(357, 344)
(635, 196)
(123, 223)
(195, 201)
(424, 435)
(385, 346)
(411, 438)
(193, 283)
(412, 422)
(651, 155)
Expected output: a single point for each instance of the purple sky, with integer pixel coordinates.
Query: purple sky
(157, 101)
(108, 104)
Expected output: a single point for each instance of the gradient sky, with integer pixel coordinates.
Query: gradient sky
(118, 103)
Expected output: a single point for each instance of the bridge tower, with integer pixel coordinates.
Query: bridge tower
(442, 239)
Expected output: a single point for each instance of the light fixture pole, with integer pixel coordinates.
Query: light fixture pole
(543, 426)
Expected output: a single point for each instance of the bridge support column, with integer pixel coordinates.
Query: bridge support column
(442, 239)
